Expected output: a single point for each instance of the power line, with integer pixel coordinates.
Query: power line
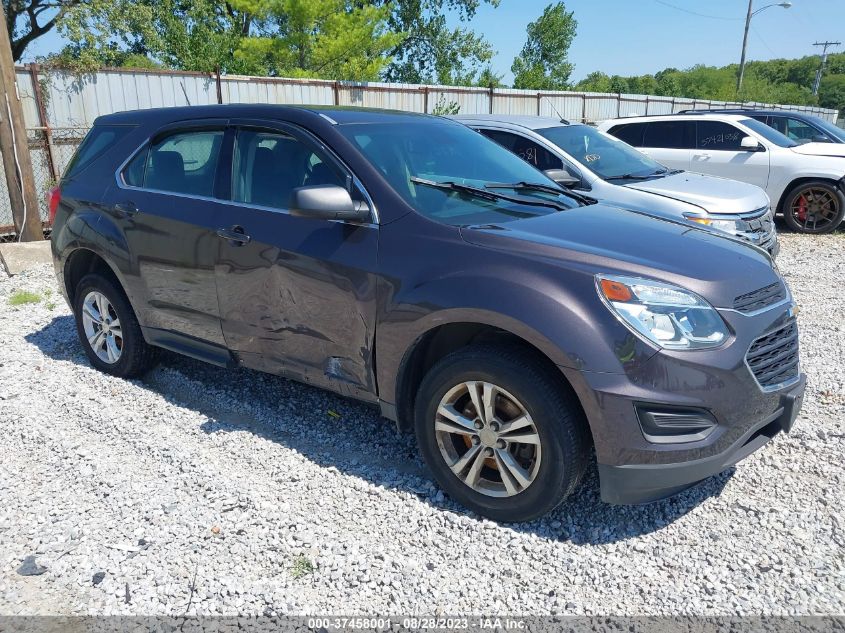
(701, 15)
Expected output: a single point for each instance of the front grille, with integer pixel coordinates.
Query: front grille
(761, 298)
(773, 358)
(761, 230)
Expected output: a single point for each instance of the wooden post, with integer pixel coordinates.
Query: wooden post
(14, 147)
(219, 84)
(336, 88)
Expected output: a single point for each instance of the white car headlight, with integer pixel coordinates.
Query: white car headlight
(666, 315)
(732, 226)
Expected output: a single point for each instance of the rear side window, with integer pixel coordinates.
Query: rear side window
(99, 140)
(529, 151)
(669, 135)
(718, 136)
(632, 133)
(185, 162)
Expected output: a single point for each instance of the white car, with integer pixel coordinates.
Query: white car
(805, 182)
(600, 166)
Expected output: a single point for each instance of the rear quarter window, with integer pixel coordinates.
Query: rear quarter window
(632, 133)
(99, 140)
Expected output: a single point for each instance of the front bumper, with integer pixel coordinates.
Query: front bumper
(644, 483)
(637, 467)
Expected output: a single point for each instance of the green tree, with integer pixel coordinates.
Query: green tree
(542, 64)
(27, 20)
(318, 38)
(431, 51)
(596, 81)
(832, 93)
(182, 34)
(489, 79)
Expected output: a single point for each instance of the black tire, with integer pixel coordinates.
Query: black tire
(136, 356)
(800, 218)
(557, 419)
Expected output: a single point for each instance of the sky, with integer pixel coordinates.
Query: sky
(634, 37)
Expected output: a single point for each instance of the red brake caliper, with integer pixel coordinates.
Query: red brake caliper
(802, 208)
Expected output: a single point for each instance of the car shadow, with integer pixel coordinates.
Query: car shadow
(353, 438)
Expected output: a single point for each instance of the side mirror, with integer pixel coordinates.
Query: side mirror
(750, 144)
(327, 202)
(563, 177)
(820, 138)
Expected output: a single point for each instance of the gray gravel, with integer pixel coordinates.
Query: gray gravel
(204, 491)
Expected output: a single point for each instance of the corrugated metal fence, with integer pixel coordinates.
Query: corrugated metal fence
(60, 107)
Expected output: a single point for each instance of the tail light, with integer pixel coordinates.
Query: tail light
(54, 196)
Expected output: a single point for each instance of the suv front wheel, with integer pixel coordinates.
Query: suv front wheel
(107, 327)
(814, 207)
(500, 433)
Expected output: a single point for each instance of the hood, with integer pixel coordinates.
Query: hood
(713, 194)
(820, 149)
(602, 238)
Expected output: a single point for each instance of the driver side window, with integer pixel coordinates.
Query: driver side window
(268, 166)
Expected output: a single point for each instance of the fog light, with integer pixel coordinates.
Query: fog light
(670, 425)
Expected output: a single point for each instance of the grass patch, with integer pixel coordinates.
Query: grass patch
(51, 306)
(21, 297)
(301, 567)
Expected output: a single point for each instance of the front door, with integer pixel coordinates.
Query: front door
(718, 153)
(297, 295)
(164, 204)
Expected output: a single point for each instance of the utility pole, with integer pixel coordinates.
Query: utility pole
(819, 72)
(751, 13)
(14, 147)
(744, 48)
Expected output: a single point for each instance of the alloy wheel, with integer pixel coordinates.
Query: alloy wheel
(488, 439)
(102, 327)
(815, 209)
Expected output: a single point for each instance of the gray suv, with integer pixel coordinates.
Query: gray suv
(587, 160)
(410, 263)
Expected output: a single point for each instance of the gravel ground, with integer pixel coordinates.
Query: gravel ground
(204, 491)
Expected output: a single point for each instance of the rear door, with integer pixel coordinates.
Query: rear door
(164, 203)
(718, 152)
(297, 295)
(670, 142)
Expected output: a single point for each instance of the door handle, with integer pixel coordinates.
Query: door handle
(701, 156)
(235, 235)
(126, 209)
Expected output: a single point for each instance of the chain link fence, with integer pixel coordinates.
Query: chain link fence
(48, 163)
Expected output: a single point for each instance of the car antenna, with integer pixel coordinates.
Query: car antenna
(552, 106)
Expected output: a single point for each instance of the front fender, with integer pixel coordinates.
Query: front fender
(564, 321)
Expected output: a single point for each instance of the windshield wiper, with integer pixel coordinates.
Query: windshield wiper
(489, 195)
(526, 186)
(538, 186)
(634, 176)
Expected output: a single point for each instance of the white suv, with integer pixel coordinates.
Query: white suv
(805, 182)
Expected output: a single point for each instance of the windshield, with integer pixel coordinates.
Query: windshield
(605, 155)
(444, 152)
(836, 132)
(768, 133)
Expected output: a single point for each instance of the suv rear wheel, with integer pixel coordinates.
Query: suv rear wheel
(108, 329)
(500, 433)
(814, 207)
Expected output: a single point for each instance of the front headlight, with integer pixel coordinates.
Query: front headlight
(732, 226)
(666, 315)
